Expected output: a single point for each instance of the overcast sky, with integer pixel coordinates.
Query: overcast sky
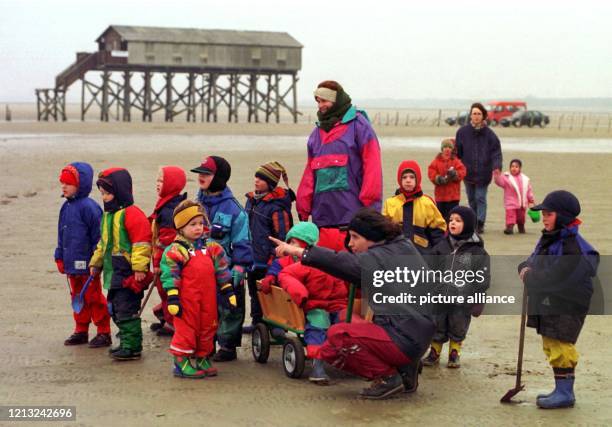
(376, 49)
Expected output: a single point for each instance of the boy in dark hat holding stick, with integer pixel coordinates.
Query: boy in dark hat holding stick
(558, 276)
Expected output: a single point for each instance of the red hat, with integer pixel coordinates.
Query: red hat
(70, 176)
(208, 166)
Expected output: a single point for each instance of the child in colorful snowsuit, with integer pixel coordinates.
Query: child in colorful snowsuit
(123, 254)
(170, 183)
(77, 237)
(518, 195)
(230, 228)
(193, 270)
(558, 276)
(420, 218)
(446, 173)
(462, 250)
(269, 211)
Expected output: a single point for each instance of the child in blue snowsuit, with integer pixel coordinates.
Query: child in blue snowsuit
(77, 237)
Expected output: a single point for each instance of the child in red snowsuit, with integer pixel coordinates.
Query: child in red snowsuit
(319, 294)
(446, 172)
(171, 181)
(78, 235)
(192, 268)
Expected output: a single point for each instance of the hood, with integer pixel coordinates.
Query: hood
(117, 181)
(174, 182)
(474, 239)
(413, 166)
(85, 172)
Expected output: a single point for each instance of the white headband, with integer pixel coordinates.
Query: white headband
(326, 94)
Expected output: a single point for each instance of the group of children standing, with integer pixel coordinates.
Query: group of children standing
(200, 252)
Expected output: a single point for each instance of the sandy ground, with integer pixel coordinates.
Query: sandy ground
(36, 369)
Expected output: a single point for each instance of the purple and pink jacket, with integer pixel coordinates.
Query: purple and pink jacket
(343, 172)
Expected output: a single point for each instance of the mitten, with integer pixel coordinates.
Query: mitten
(60, 265)
(229, 297)
(174, 303)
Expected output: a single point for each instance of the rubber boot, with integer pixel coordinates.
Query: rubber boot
(562, 396)
(204, 364)
(318, 374)
(521, 228)
(183, 369)
(131, 340)
(225, 355)
(454, 353)
(433, 358)
(509, 229)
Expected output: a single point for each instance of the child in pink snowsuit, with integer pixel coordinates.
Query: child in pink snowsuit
(518, 195)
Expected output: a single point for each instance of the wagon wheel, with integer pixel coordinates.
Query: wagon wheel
(260, 343)
(294, 359)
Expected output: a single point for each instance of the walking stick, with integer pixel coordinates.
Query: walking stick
(507, 398)
(144, 303)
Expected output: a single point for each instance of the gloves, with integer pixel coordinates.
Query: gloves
(60, 265)
(228, 295)
(441, 180)
(174, 303)
(138, 286)
(266, 283)
(452, 174)
(237, 275)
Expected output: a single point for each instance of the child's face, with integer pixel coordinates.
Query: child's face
(194, 228)
(106, 196)
(408, 181)
(159, 184)
(455, 224)
(261, 186)
(549, 218)
(297, 243)
(204, 179)
(446, 152)
(515, 169)
(69, 190)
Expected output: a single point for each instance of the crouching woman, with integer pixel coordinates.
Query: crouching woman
(388, 350)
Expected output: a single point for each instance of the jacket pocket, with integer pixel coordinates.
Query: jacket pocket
(331, 173)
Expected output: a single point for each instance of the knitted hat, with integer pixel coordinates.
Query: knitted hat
(469, 221)
(70, 176)
(182, 217)
(304, 231)
(448, 143)
(563, 203)
(271, 173)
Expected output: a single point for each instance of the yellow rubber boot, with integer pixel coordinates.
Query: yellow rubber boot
(454, 353)
(433, 358)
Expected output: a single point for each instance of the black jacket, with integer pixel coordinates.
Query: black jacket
(459, 257)
(480, 151)
(411, 332)
(560, 285)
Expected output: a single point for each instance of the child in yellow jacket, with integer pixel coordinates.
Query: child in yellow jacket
(422, 222)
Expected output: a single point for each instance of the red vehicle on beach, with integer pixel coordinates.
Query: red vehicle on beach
(497, 110)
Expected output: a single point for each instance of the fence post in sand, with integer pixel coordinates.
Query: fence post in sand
(396, 118)
(407, 119)
(7, 114)
(439, 117)
(561, 121)
(582, 124)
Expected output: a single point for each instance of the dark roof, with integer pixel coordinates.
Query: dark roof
(201, 36)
